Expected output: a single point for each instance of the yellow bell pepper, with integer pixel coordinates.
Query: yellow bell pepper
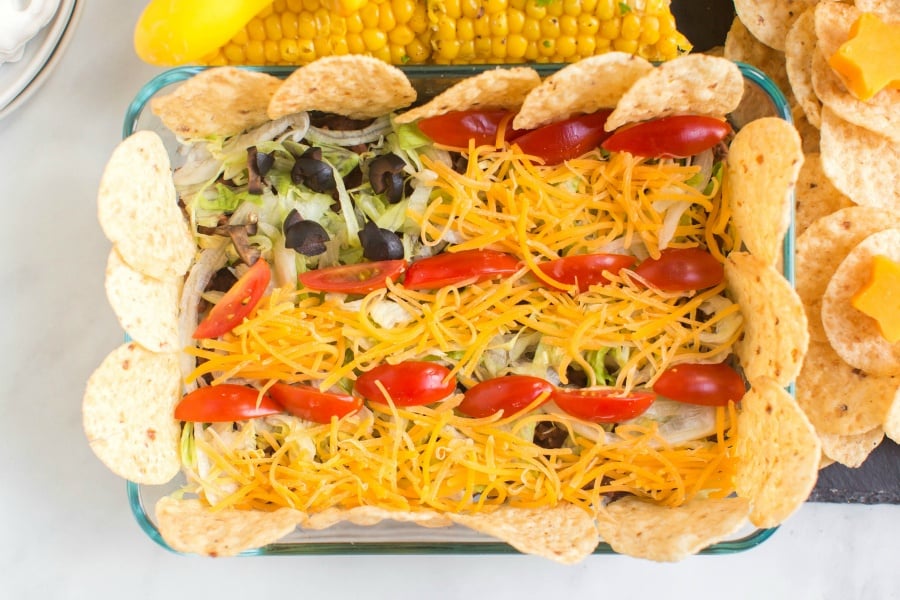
(175, 32)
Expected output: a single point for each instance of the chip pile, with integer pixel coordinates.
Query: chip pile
(129, 400)
(847, 213)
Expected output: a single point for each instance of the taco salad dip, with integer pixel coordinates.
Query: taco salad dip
(548, 311)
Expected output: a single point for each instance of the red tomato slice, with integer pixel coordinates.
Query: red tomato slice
(603, 405)
(586, 270)
(567, 139)
(682, 269)
(711, 385)
(361, 278)
(225, 402)
(409, 383)
(236, 303)
(452, 267)
(309, 403)
(511, 394)
(457, 128)
(669, 137)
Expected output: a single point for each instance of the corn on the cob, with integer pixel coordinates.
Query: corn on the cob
(295, 32)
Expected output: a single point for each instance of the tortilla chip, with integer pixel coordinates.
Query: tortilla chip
(356, 86)
(372, 515)
(815, 196)
(218, 101)
(854, 335)
(892, 420)
(770, 20)
(778, 452)
(851, 450)
(764, 161)
(800, 46)
(775, 338)
(644, 529)
(839, 399)
(583, 87)
(856, 160)
(886, 9)
(147, 308)
(127, 413)
(564, 533)
(188, 525)
(742, 46)
(809, 133)
(497, 89)
(692, 84)
(138, 211)
(822, 247)
(878, 115)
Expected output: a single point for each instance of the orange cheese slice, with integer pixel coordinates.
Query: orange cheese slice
(880, 297)
(867, 62)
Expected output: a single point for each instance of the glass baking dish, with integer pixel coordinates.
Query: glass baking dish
(761, 98)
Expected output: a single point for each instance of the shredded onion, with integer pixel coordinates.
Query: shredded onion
(705, 161)
(378, 128)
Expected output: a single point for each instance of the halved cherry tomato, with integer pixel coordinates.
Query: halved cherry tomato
(603, 405)
(511, 394)
(682, 269)
(225, 402)
(669, 137)
(707, 384)
(457, 128)
(586, 269)
(566, 139)
(361, 278)
(409, 383)
(236, 303)
(309, 403)
(452, 267)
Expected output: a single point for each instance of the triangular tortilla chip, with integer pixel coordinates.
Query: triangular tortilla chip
(851, 450)
(372, 515)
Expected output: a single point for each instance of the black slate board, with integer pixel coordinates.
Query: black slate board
(705, 23)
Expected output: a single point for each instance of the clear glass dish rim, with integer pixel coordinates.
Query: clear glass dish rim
(133, 490)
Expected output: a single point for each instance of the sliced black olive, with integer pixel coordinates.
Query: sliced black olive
(337, 122)
(291, 219)
(305, 236)
(380, 244)
(254, 184)
(311, 171)
(550, 435)
(354, 178)
(386, 175)
(264, 162)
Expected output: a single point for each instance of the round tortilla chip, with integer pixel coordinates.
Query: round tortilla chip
(839, 399)
(127, 413)
(643, 529)
(764, 161)
(372, 515)
(862, 164)
(809, 133)
(689, 84)
(879, 114)
(147, 308)
(138, 211)
(854, 335)
(799, 48)
(218, 101)
(770, 20)
(497, 89)
(742, 46)
(892, 420)
(778, 453)
(851, 450)
(822, 247)
(774, 340)
(564, 533)
(355, 86)
(187, 525)
(815, 196)
(581, 88)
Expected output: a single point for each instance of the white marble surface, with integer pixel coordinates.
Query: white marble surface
(66, 528)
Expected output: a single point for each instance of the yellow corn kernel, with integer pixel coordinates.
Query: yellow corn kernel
(499, 25)
(401, 35)
(234, 54)
(631, 26)
(265, 12)
(273, 54)
(623, 45)
(216, 60)
(666, 24)
(588, 24)
(498, 48)
(272, 24)
(585, 45)
(307, 50)
(398, 54)
(516, 45)
(483, 26)
(465, 29)
(649, 30)
(470, 8)
(555, 9)
(339, 45)
(386, 19)
(667, 48)
(531, 52)
(452, 8)
(531, 29)
(306, 25)
(535, 10)
(403, 10)
(290, 53)
(383, 53)
(550, 27)
(419, 20)
(517, 4)
(322, 45)
(354, 23)
(588, 6)
(568, 25)
(417, 51)
(323, 22)
(565, 46)
(256, 30)
(606, 9)
(466, 51)
(515, 19)
(289, 25)
(601, 45)
(369, 15)
(610, 29)
(311, 5)
(482, 46)
(374, 39)
(493, 7)
(294, 6)
(241, 38)
(255, 52)
(446, 28)
(446, 49)
(355, 43)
